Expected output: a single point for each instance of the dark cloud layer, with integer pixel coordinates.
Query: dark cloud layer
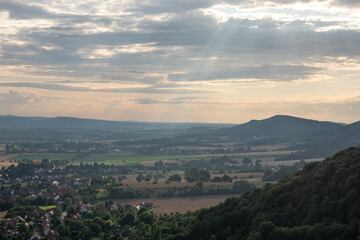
(183, 40)
(19, 10)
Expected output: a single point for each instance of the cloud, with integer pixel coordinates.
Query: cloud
(61, 87)
(180, 100)
(160, 6)
(19, 10)
(178, 44)
(18, 98)
(264, 72)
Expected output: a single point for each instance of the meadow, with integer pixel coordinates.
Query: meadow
(130, 159)
(40, 156)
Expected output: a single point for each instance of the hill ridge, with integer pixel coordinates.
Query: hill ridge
(279, 126)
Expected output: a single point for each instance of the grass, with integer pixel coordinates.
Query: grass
(122, 159)
(131, 159)
(101, 193)
(47, 207)
(37, 157)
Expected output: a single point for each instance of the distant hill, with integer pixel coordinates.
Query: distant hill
(9, 121)
(322, 201)
(322, 144)
(279, 126)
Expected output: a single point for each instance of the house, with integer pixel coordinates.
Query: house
(19, 179)
(113, 208)
(35, 237)
(53, 235)
(77, 216)
(146, 204)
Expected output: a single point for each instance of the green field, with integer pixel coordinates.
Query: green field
(38, 157)
(47, 207)
(130, 159)
(122, 159)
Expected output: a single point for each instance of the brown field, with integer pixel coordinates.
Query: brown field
(182, 205)
(3, 214)
(267, 147)
(290, 162)
(7, 164)
(194, 147)
(4, 160)
(265, 153)
(240, 175)
(8, 156)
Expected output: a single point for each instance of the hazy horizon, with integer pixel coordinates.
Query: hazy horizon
(180, 61)
(189, 122)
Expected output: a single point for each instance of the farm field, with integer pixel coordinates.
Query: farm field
(122, 159)
(3, 214)
(5, 160)
(182, 205)
(289, 162)
(40, 156)
(8, 156)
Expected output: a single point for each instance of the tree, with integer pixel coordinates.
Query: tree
(148, 177)
(174, 178)
(265, 228)
(159, 164)
(156, 232)
(85, 233)
(128, 219)
(216, 179)
(192, 174)
(242, 186)
(139, 177)
(67, 204)
(195, 174)
(147, 217)
(95, 228)
(7, 149)
(64, 231)
(205, 176)
(246, 161)
(226, 178)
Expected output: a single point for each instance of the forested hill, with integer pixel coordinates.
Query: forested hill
(279, 126)
(322, 201)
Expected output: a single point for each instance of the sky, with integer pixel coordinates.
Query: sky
(215, 61)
